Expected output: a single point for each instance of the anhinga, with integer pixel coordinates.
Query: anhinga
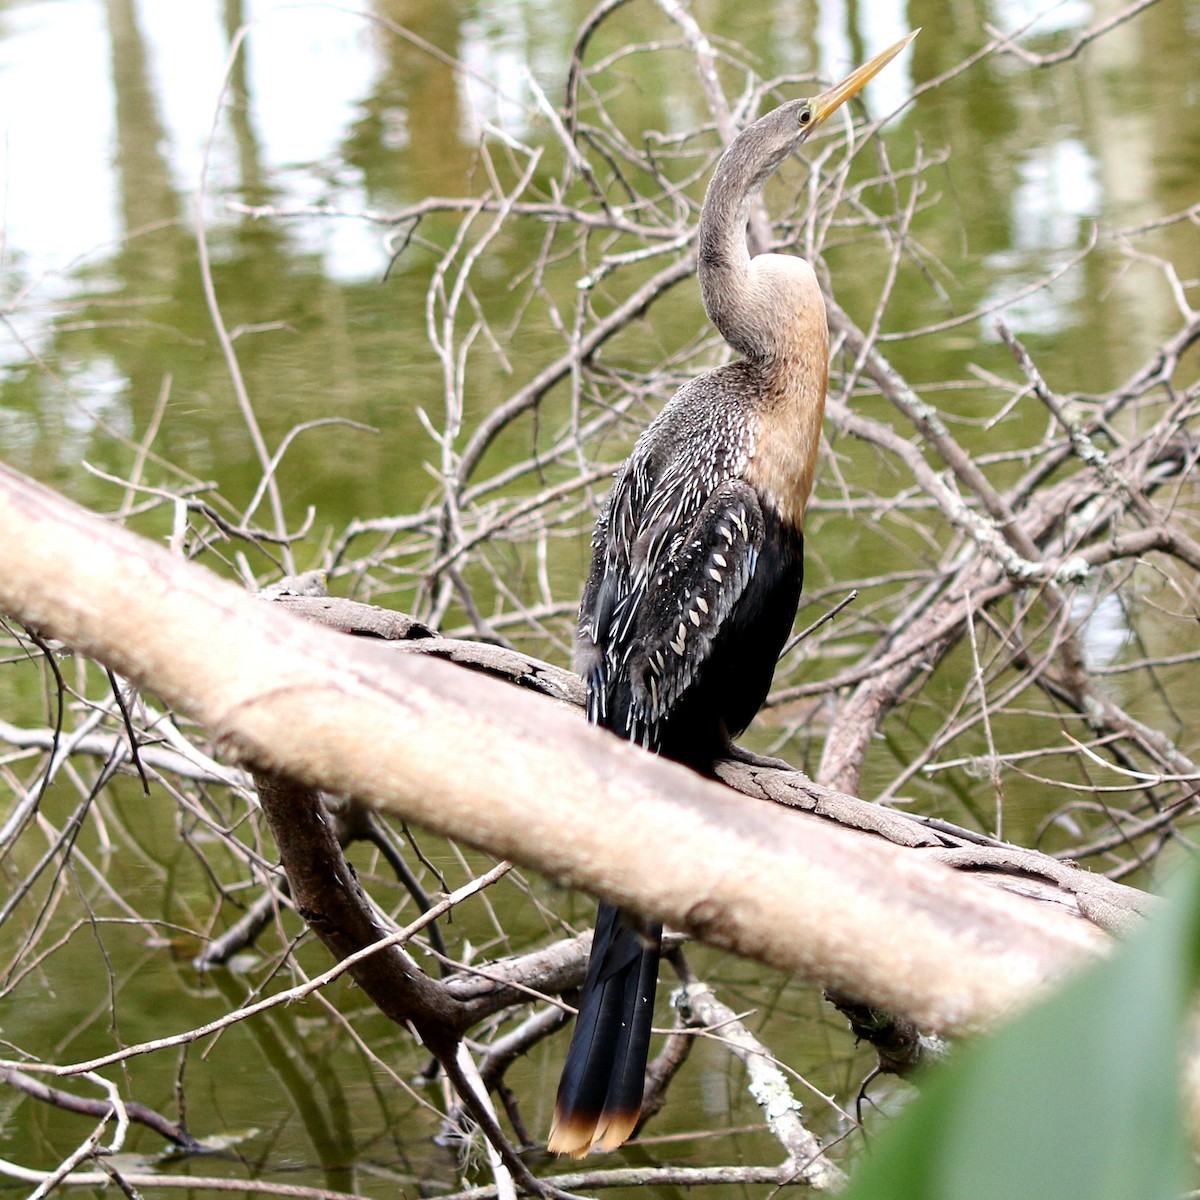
(696, 572)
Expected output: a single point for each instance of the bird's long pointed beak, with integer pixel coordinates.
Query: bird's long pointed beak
(826, 102)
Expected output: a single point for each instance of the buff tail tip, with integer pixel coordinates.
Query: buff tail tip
(578, 1134)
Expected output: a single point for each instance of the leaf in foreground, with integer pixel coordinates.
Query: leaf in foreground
(1080, 1097)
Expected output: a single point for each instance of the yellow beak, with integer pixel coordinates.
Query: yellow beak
(837, 95)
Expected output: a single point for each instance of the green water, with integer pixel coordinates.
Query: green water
(109, 358)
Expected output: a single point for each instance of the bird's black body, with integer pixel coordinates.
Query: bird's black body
(697, 564)
(692, 592)
(694, 581)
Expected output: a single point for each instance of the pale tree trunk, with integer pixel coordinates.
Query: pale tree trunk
(523, 777)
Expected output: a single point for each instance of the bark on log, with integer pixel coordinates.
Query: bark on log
(522, 776)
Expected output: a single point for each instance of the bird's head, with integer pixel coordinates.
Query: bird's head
(782, 131)
(723, 256)
(811, 113)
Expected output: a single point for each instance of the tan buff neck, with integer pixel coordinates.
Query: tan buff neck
(786, 421)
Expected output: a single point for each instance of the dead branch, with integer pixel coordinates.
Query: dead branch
(768, 1085)
(170, 1130)
(413, 735)
(1005, 527)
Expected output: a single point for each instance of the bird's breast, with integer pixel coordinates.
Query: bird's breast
(792, 375)
(786, 438)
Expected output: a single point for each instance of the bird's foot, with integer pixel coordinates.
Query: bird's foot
(740, 754)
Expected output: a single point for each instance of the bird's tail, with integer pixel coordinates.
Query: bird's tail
(600, 1093)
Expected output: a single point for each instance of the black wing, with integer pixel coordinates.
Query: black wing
(671, 565)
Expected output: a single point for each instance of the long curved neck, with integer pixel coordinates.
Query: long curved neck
(770, 309)
(746, 317)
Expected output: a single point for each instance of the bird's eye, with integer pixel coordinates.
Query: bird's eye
(804, 116)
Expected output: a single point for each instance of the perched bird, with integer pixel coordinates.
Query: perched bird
(697, 564)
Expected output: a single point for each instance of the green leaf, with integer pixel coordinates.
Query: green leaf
(1080, 1098)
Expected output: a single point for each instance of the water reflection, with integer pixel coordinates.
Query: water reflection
(1051, 206)
(109, 345)
(108, 336)
(327, 108)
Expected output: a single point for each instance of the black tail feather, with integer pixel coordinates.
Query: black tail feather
(600, 1093)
